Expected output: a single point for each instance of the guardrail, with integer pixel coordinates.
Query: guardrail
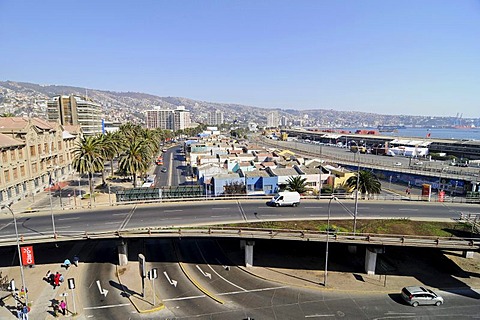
(450, 243)
(380, 197)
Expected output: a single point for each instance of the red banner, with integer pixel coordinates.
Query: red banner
(27, 256)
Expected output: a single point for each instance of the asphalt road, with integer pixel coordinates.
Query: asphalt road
(243, 295)
(218, 212)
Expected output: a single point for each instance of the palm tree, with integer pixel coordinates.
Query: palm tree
(88, 158)
(111, 144)
(7, 115)
(367, 183)
(135, 159)
(297, 183)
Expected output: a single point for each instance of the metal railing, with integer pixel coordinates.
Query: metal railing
(451, 243)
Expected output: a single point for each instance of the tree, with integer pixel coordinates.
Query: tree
(297, 183)
(234, 188)
(111, 144)
(367, 183)
(88, 158)
(7, 115)
(135, 159)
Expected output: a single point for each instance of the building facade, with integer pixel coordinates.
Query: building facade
(33, 153)
(168, 119)
(76, 110)
(215, 118)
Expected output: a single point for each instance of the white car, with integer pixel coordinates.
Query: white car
(398, 164)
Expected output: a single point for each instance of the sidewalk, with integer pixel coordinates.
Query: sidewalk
(42, 295)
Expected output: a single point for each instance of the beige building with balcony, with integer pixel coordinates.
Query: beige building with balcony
(32, 150)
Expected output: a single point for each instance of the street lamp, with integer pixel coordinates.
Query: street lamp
(357, 154)
(326, 249)
(19, 252)
(50, 182)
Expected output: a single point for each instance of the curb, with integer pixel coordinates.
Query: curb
(192, 280)
(161, 306)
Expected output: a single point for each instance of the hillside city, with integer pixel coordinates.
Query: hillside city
(29, 100)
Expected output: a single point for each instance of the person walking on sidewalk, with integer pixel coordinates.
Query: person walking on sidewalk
(63, 307)
(56, 280)
(66, 264)
(75, 260)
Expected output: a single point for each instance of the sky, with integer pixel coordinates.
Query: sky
(391, 57)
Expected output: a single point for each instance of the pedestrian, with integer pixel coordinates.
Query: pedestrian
(25, 312)
(63, 307)
(75, 260)
(51, 278)
(66, 264)
(56, 308)
(19, 312)
(56, 280)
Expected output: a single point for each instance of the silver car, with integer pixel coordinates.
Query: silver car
(416, 296)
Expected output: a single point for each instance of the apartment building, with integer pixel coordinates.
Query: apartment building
(272, 120)
(168, 119)
(76, 110)
(32, 151)
(215, 118)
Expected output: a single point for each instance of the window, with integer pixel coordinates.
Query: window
(4, 156)
(15, 173)
(12, 155)
(32, 151)
(6, 175)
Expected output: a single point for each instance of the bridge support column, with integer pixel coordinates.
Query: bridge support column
(468, 254)
(122, 249)
(248, 245)
(371, 258)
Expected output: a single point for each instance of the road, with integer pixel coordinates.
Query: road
(218, 212)
(241, 294)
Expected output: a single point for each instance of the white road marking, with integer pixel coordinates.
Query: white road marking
(320, 315)
(63, 219)
(177, 210)
(184, 298)
(219, 208)
(112, 222)
(253, 290)
(119, 214)
(109, 306)
(63, 227)
(216, 216)
(407, 209)
(311, 207)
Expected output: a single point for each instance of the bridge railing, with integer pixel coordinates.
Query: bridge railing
(452, 243)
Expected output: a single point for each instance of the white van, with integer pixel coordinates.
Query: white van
(285, 198)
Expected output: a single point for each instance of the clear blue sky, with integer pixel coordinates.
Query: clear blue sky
(392, 57)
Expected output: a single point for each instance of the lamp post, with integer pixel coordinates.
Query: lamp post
(357, 154)
(19, 252)
(50, 182)
(326, 247)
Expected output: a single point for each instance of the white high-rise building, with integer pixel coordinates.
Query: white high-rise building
(215, 118)
(76, 110)
(168, 119)
(272, 120)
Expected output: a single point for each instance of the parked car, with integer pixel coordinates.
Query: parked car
(163, 170)
(416, 296)
(398, 164)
